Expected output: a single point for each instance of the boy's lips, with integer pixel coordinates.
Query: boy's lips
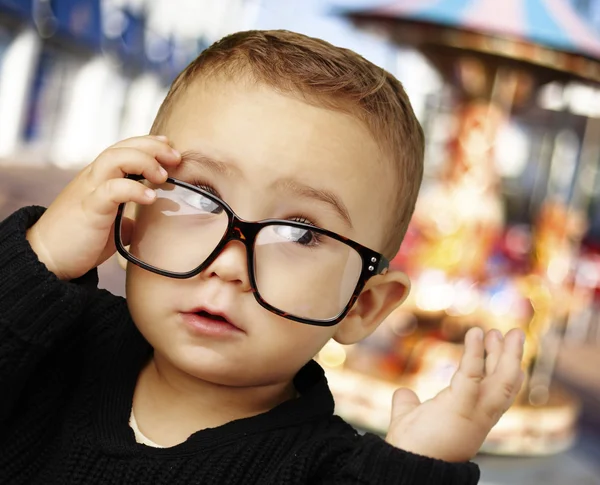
(201, 316)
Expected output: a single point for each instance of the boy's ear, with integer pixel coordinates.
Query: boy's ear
(382, 295)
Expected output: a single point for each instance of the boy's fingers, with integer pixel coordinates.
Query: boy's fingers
(153, 145)
(500, 396)
(117, 162)
(518, 387)
(466, 381)
(105, 200)
(494, 344)
(513, 350)
(140, 158)
(504, 384)
(143, 141)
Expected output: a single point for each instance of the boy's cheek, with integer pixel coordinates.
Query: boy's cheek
(304, 342)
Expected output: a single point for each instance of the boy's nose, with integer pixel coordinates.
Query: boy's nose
(231, 265)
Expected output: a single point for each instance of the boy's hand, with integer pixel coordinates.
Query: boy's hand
(453, 425)
(75, 234)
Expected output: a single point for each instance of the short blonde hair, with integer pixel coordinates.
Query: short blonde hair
(330, 76)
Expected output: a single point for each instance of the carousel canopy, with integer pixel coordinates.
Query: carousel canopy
(553, 23)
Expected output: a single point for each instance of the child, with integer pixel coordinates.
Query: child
(205, 373)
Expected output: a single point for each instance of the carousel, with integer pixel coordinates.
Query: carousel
(467, 268)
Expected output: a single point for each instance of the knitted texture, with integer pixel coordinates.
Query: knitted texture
(70, 356)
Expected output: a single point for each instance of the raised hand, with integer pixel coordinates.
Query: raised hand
(453, 425)
(75, 234)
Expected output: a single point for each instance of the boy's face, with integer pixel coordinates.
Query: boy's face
(269, 144)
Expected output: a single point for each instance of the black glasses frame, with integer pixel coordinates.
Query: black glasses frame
(373, 263)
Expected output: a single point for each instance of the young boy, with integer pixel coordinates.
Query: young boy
(205, 374)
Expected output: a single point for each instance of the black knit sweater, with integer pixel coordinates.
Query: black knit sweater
(70, 356)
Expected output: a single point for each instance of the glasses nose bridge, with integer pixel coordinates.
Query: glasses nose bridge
(243, 231)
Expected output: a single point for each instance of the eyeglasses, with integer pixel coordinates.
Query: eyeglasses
(296, 270)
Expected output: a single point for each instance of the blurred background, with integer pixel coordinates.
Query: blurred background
(507, 229)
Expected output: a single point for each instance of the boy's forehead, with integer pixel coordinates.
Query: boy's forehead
(238, 111)
(268, 135)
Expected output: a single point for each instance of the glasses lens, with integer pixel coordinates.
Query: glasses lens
(176, 233)
(305, 273)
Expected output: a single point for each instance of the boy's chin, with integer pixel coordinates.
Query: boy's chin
(212, 367)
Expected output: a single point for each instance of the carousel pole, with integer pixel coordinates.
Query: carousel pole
(577, 322)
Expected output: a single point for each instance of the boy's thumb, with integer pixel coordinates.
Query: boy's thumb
(403, 402)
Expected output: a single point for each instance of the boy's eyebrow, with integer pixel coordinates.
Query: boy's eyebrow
(321, 195)
(293, 185)
(198, 158)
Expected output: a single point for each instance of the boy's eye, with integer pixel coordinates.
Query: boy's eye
(305, 237)
(200, 202)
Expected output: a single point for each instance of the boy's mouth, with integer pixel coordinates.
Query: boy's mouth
(200, 317)
(212, 316)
